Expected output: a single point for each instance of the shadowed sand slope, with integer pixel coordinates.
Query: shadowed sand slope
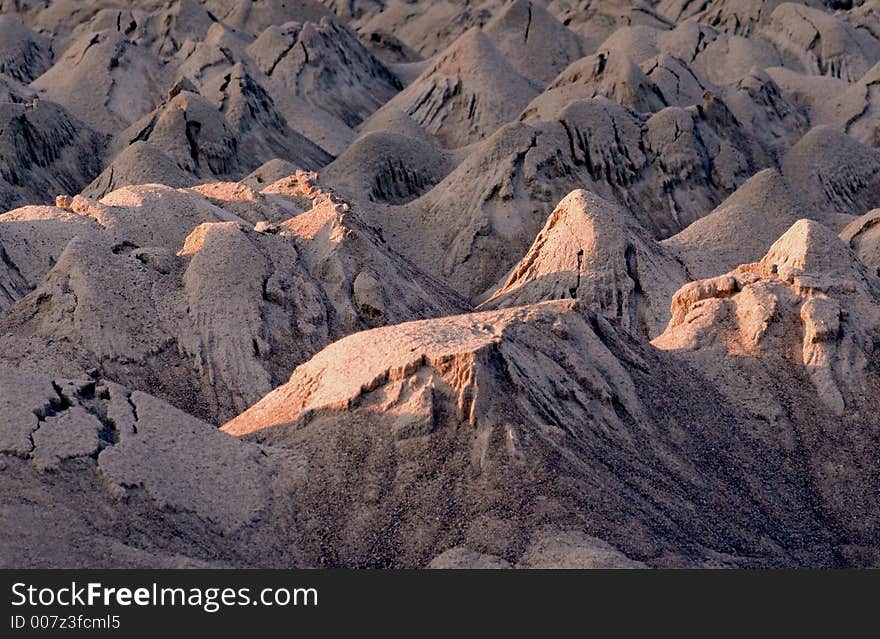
(512, 398)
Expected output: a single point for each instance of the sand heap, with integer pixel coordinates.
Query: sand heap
(205, 142)
(161, 27)
(426, 27)
(668, 169)
(608, 74)
(834, 173)
(823, 44)
(327, 66)
(792, 337)
(24, 55)
(467, 93)
(740, 18)
(254, 17)
(809, 279)
(741, 229)
(188, 323)
(533, 41)
(44, 149)
(592, 250)
(105, 81)
(540, 410)
(385, 166)
(863, 237)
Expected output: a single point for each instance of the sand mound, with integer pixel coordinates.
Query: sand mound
(766, 113)
(863, 237)
(596, 21)
(269, 173)
(741, 229)
(138, 163)
(477, 223)
(821, 96)
(821, 43)
(607, 74)
(256, 16)
(428, 27)
(388, 167)
(669, 169)
(87, 460)
(851, 107)
(24, 55)
(33, 238)
(327, 66)
(230, 142)
(741, 17)
(502, 401)
(44, 151)
(206, 64)
(834, 173)
(158, 282)
(262, 130)
(805, 316)
(534, 42)
(366, 283)
(675, 81)
(162, 30)
(467, 93)
(201, 60)
(809, 278)
(105, 81)
(14, 91)
(593, 250)
(724, 58)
